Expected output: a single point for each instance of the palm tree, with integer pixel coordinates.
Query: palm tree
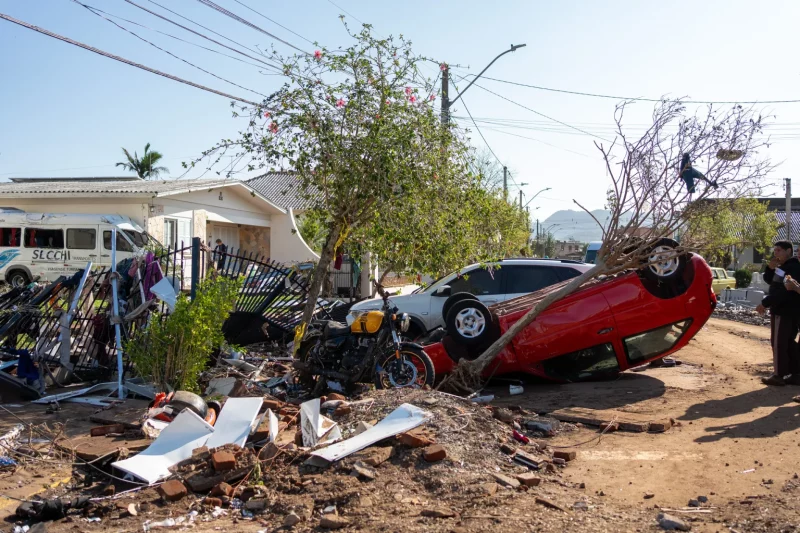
(145, 167)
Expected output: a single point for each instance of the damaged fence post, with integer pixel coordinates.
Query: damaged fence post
(65, 321)
(115, 317)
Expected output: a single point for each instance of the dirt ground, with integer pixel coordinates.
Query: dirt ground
(736, 442)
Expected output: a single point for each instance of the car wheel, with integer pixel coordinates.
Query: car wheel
(18, 279)
(455, 298)
(469, 322)
(663, 264)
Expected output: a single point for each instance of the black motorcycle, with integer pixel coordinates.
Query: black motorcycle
(370, 350)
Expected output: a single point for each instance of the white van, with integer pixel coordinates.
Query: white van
(591, 251)
(49, 245)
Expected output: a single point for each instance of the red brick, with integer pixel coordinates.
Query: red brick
(172, 491)
(275, 405)
(288, 410)
(609, 427)
(335, 396)
(660, 426)
(415, 438)
(342, 410)
(212, 502)
(508, 449)
(105, 430)
(298, 437)
(223, 489)
(529, 479)
(567, 455)
(223, 461)
(434, 453)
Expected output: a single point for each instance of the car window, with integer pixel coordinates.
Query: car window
(44, 238)
(654, 342)
(568, 273)
(479, 282)
(10, 236)
(715, 273)
(524, 279)
(590, 363)
(122, 244)
(81, 239)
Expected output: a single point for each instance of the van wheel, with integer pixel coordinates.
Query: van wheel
(18, 279)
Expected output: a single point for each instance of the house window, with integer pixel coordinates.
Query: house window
(44, 238)
(177, 232)
(655, 342)
(10, 236)
(170, 232)
(81, 239)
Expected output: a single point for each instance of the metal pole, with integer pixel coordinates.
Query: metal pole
(789, 209)
(115, 317)
(195, 265)
(65, 321)
(505, 182)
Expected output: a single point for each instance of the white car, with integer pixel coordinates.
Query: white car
(491, 283)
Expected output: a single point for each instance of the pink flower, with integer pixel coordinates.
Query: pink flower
(388, 102)
(266, 114)
(432, 97)
(273, 127)
(339, 103)
(317, 54)
(412, 99)
(443, 67)
(408, 91)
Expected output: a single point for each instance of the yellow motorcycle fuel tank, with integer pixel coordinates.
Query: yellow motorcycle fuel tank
(370, 322)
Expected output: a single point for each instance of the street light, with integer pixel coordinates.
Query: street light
(535, 195)
(446, 103)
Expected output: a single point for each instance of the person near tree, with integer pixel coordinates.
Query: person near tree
(784, 306)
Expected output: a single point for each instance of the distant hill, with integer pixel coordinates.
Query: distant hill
(578, 225)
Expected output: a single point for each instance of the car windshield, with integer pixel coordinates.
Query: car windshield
(433, 286)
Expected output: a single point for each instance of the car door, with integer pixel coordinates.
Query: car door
(83, 245)
(525, 279)
(716, 282)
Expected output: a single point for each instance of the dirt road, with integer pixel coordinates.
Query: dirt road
(736, 438)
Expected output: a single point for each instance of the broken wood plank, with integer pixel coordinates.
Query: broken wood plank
(92, 448)
(589, 417)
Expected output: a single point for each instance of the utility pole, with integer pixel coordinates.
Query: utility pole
(445, 96)
(521, 185)
(505, 183)
(789, 209)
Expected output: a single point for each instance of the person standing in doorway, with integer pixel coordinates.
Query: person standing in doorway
(219, 254)
(784, 306)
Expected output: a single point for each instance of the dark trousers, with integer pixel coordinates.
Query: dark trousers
(785, 357)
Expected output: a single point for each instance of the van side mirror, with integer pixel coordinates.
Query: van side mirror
(443, 291)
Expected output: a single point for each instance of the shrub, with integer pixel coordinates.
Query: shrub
(173, 349)
(743, 278)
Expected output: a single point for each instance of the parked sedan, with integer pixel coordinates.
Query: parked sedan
(605, 327)
(722, 280)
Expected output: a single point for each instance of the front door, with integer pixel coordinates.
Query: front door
(83, 245)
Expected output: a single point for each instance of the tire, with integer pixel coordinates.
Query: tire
(469, 322)
(455, 298)
(668, 270)
(188, 400)
(18, 278)
(406, 372)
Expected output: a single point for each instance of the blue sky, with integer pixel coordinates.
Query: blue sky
(66, 112)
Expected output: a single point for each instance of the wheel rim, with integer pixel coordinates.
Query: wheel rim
(663, 262)
(17, 280)
(470, 323)
(408, 371)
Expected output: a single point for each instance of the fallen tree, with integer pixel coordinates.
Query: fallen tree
(650, 199)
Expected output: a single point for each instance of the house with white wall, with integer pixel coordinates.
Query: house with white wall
(175, 211)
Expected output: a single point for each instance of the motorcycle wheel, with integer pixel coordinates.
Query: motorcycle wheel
(414, 369)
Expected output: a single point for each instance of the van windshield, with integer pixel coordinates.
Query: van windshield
(591, 256)
(139, 239)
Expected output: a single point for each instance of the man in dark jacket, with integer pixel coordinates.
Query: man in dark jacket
(784, 306)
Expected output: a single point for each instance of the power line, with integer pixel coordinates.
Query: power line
(174, 37)
(594, 95)
(234, 16)
(273, 66)
(345, 11)
(539, 141)
(122, 59)
(167, 51)
(273, 21)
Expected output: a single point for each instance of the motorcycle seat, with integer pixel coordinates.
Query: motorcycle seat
(336, 329)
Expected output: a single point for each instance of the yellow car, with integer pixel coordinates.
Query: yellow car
(721, 280)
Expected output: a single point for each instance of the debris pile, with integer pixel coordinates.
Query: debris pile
(740, 313)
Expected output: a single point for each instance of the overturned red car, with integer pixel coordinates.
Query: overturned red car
(607, 326)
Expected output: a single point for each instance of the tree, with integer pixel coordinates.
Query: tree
(646, 186)
(313, 228)
(488, 170)
(546, 245)
(717, 228)
(358, 125)
(145, 167)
